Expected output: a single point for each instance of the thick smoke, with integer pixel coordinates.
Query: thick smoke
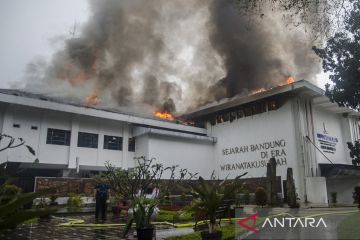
(175, 55)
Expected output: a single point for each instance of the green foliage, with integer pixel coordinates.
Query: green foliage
(8, 192)
(12, 201)
(341, 57)
(143, 209)
(246, 197)
(53, 198)
(356, 195)
(319, 17)
(354, 152)
(260, 196)
(209, 196)
(133, 185)
(13, 213)
(333, 197)
(174, 216)
(75, 201)
(349, 227)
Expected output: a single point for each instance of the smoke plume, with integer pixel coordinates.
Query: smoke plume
(174, 55)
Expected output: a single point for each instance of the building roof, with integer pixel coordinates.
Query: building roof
(42, 101)
(301, 86)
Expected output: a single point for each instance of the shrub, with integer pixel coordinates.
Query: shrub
(356, 195)
(8, 192)
(333, 197)
(75, 201)
(246, 197)
(260, 196)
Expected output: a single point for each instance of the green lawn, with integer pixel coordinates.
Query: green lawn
(349, 228)
(228, 232)
(169, 216)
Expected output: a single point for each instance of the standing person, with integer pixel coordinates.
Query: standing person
(101, 196)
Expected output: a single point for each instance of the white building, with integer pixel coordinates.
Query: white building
(294, 123)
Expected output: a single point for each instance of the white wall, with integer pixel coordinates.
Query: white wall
(257, 129)
(194, 155)
(335, 127)
(344, 187)
(58, 154)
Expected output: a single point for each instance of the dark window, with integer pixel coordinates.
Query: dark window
(272, 106)
(232, 116)
(58, 137)
(112, 142)
(219, 118)
(88, 140)
(15, 125)
(248, 111)
(226, 117)
(34, 127)
(240, 113)
(131, 144)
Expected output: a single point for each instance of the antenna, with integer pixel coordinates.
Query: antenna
(72, 31)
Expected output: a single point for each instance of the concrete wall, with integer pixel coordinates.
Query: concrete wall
(58, 154)
(317, 187)
(249, 132)
(344, 187)
(194, 155)
(335, 126)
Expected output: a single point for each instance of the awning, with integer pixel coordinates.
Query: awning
(339, 170)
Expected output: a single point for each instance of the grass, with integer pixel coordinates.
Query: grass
(349, 228)
(170, 216)
(228, 232)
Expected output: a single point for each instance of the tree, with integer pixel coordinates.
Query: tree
(132, 184)
(320, 17)
(355, 152)
(260, 196)
(12, 201)
(209, 196)
(341, 57)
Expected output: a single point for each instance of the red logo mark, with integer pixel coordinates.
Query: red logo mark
(253, 219)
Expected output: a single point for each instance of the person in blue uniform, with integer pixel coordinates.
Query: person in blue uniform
(101, 197)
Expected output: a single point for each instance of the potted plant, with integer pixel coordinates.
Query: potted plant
(209, 197)
(143, 211)
(135, 185)
(53, 198)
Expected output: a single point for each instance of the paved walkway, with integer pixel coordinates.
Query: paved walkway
(48, 229)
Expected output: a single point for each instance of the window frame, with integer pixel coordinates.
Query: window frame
(81, 142)
(131, 147)
(52, 141)
(108, 147)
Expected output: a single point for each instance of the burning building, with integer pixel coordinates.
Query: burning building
(295, 123)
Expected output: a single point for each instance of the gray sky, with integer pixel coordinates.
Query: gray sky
(28, 29)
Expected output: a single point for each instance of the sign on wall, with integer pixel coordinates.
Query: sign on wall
(264, 151)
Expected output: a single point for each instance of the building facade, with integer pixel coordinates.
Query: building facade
(294, 123)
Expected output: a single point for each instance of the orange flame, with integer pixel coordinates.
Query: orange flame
(290, 80)
(258, 90)
(92, 99)
(164, 115)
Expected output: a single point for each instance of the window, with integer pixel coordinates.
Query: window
(58, 137)
(34, 127)
(88, 140)
(15, 125)
(113, 143)
(131, 144)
